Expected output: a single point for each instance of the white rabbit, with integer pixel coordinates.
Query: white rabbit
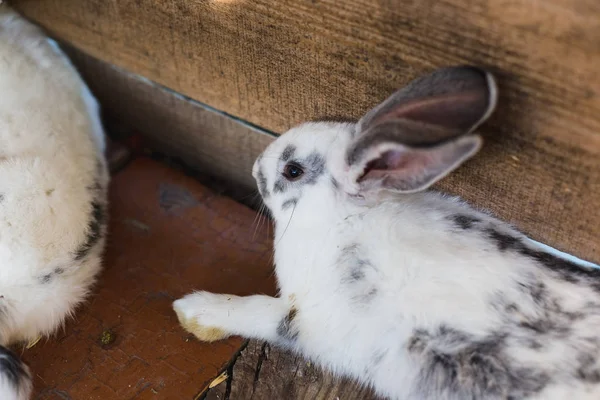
(413, 293)
(53, 192)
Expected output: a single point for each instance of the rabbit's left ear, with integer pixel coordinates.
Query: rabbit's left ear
(422, 132)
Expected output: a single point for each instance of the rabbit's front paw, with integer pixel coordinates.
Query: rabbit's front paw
(200, 314)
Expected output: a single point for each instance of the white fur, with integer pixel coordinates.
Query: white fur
(51, 156)
(426, 275)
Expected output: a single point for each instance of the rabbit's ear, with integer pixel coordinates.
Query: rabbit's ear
(453, 100)
(421, 133)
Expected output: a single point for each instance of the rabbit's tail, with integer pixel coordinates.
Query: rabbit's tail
(15, 379)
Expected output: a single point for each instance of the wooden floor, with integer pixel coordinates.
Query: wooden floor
(169, 235)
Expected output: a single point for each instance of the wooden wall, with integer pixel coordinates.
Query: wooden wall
(279, 62)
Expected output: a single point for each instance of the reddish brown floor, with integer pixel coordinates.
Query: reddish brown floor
(168, 236)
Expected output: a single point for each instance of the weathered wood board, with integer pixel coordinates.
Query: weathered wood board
(549, 190)
(203, 137)
(276, 63)
(261, 372)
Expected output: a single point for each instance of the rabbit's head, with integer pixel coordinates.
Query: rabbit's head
(405, 144)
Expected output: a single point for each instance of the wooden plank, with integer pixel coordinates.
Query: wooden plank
(168, 235)
(264, 372)
(548, 189)
(202, 137)
(279, 62)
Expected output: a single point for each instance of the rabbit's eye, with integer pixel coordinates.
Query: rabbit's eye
(292, 172)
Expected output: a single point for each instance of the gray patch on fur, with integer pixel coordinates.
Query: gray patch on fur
(541, 320)
(549, 320)
(357, 273)
(315, 163)
(354, 269)
(286, 328)
(562, 268)
(463, 221)
(313, 166)
(279, 186)
(288, 152)
(588, 370)
(335, 183)
(455, 364)
(289, 203)
(44, 279)
(355, 265)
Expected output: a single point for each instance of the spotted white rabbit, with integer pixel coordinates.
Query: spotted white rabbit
(410, 291)
(53, 186)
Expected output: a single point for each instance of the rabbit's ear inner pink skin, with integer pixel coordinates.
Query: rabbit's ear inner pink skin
(407, 170)
(422, 132)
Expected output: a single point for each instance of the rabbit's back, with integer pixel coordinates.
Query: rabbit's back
(433, 299)
(480, 310)
(53, 180)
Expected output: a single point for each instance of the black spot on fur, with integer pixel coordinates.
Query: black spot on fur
(48, 277)
(279, 186)
(458, 365)
(534, 344)
(357, 273)
(1, 197)
(313, 165)
(262, 183)
(566, 270)
(13, 370)
(588, 370)
(505, 241)
(464, 221)
(286, 329)
(288, 153)
(354, 264)
(335, 183)
(545, 319)
(94, 231)
(289, 203)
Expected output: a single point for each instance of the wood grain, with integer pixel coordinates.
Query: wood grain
(265, 372)
(203, 138)
(276, 63)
